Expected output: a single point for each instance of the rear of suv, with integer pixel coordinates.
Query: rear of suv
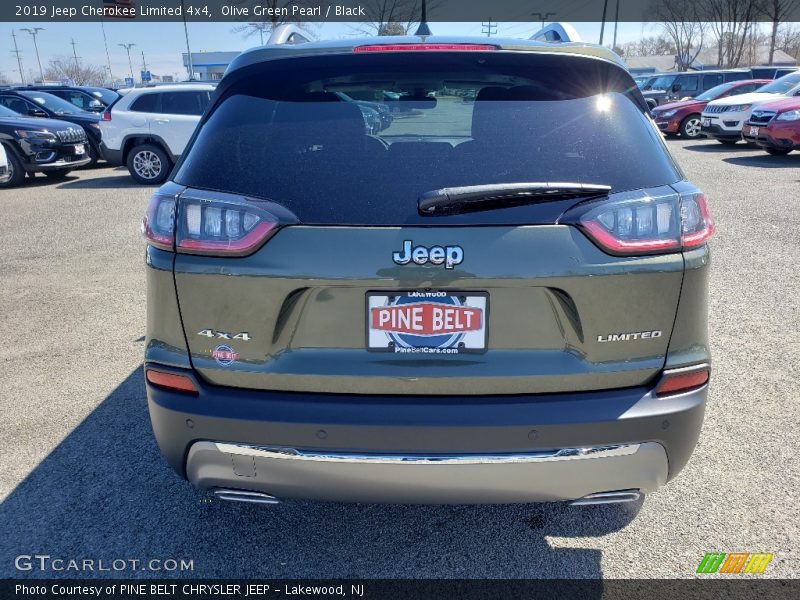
(482, 303)
(147, 129)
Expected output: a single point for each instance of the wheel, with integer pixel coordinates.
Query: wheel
(690, 127)
(778, 151)
(15, 170)
(149, 164)
(728, 142)
(59, 175)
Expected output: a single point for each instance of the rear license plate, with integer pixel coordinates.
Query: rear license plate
(79, 149)
(417, 322)
(706, 123)
(754, 131)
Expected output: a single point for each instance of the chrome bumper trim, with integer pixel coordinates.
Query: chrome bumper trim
(468, 459)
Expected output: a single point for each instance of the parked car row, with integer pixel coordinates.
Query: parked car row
(32, 145)
(662, 88)
(761, 112)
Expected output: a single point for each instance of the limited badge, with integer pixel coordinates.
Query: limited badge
(224, 355)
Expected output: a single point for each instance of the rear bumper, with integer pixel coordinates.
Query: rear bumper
(470, 479)
(390, 448)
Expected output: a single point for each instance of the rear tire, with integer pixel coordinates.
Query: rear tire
(15, 169)
(149, 164)
(777, 151)
(690, 127)
(59, 175)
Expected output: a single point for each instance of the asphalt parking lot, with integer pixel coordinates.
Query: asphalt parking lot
(82, 477)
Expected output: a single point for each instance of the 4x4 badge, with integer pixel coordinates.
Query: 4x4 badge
(450, 256)
(210, 333)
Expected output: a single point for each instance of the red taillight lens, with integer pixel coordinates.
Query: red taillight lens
(424, 47)
(648, 225)
(158, 225)
(213, 227)
(697, 225)
(171, 381)
(224, 225)
(680, 381)
(106, 116)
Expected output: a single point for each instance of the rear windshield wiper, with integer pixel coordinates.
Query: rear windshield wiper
(502, 195)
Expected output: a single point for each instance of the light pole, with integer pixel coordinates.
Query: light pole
(108, 56)
(543, 16)
(189, 65)
(130, 64)
(34, 32)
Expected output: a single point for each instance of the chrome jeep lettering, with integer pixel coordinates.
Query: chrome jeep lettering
(450, 256)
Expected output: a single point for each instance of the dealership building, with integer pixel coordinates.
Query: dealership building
(209, 66)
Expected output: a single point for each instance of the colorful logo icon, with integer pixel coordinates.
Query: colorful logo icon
(735, 562)
(224, 355)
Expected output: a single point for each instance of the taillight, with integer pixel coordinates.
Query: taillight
(680, 381)
(424, 47)
(697, 224)
(209, 223)
(647, 225)
(106, 116)
(171, 381)
(158, 225)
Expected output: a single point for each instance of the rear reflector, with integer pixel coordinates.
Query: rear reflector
(171, 381)
(424, 47)
(682, 380)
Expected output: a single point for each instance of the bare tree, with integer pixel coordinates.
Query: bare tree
(263, 29)
(392, 17)
(776, 11)
(657, 45)
(788, 39)
(731, 22)
(3, 79)
(81, 74)
(681, 22)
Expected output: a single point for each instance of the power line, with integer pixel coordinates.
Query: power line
(19, 58)
(488, 28)
(75, 54)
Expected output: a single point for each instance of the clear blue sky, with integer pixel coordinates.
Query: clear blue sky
(163, 43)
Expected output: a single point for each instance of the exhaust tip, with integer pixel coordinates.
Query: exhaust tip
(615, 497)
(245, 496)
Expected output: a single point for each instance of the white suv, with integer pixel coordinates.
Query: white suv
(5, 174)
(723, 119)
(148, 128)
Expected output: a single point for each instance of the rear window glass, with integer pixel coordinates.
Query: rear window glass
(146, 103)
(184, 103)
(358, 142)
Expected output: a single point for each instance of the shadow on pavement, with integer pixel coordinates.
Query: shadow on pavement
(766, 161)
(715, 147)
(118, 180)
(105, 493)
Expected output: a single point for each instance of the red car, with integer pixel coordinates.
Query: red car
(775, 126)
(683, 117)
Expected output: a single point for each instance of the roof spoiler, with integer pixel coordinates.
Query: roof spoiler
(557, 33)
(288, 34)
